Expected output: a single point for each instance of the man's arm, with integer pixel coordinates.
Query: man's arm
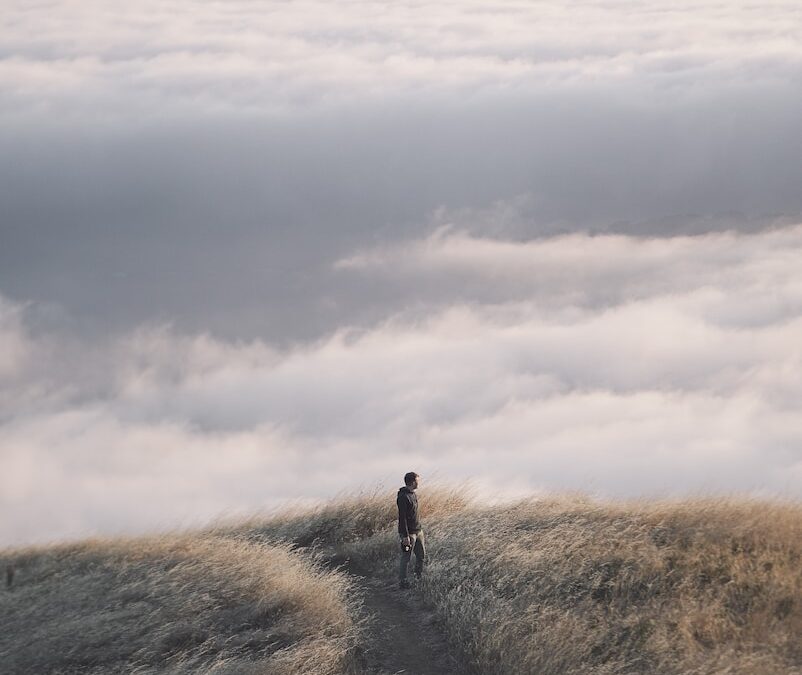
(403, 510)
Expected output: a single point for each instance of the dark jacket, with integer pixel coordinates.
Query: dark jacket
(408, 519)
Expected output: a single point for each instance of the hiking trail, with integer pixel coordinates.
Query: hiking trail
(402, 636)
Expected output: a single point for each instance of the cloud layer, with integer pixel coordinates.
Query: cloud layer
(258, 251)
(686, 377)
(204, 164)
(248, 57)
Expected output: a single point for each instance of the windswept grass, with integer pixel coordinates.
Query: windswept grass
(180, 604)
(563, 586)
(571, 585)
(345, 520)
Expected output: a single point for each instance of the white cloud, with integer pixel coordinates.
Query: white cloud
(687, 379)
(271, 56)
(730, 278)
(623, 364)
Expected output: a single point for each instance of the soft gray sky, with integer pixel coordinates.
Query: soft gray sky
(249, 249)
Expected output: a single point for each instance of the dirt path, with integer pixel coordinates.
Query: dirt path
(403, 635)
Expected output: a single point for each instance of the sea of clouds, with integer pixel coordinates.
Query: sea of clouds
(253, 253)
(610, 364)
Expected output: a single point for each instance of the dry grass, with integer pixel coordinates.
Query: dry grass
(341, 521)
(572, 585)
(562, 586)
(180, 604)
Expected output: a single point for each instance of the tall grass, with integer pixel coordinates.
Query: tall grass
(563, 586)
(179, 604)
(572, 585)
(350, 519)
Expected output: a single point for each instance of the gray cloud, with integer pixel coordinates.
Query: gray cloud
(234, 228)
(242, 243)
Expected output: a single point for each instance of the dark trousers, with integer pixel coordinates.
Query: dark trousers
(419, 547)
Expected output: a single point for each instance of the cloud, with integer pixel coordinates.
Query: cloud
(250, 251)
(708, 272)
(204, 164)
(239, 57)
(14, 348)
(685, 379)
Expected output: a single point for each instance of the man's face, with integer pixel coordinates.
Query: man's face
(414, 484)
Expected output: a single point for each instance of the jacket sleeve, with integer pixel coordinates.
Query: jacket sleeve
(403, 510)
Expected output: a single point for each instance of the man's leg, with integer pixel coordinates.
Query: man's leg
(403, 563)
(420, 554)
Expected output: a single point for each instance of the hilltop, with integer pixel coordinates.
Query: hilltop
(548, 586)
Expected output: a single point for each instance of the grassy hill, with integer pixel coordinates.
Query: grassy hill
(566, 585)
(572, 585)
(182, 604)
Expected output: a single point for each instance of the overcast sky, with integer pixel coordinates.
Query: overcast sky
(253, 252)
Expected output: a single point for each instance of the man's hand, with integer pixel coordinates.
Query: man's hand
(406, 541)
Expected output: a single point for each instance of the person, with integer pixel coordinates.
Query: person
(409, 529)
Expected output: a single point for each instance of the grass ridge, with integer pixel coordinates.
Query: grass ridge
(558, 585)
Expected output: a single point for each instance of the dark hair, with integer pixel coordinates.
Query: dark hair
(409, 477)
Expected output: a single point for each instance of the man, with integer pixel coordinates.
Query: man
(409, 529)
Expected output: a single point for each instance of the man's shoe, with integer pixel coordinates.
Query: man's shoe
(403, 585)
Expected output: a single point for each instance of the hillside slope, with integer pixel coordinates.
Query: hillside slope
(572, 585)
(560, 586)
(178, 604)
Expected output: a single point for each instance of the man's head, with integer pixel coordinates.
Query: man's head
(411, 480)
